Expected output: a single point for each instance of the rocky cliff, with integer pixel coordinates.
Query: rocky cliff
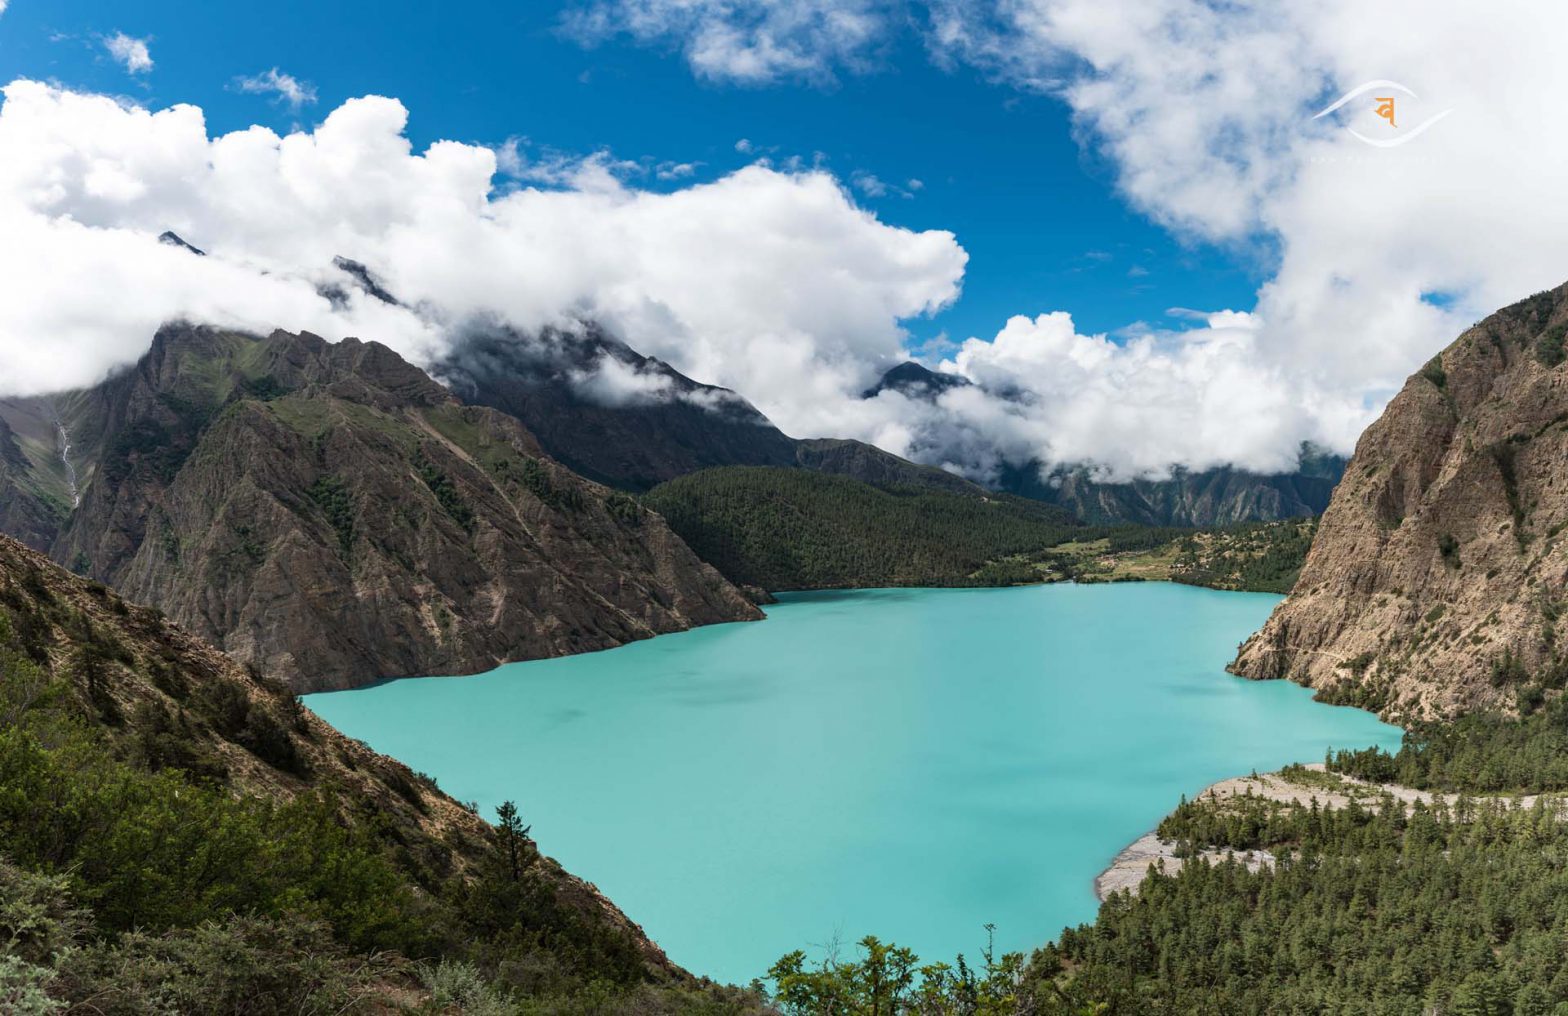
(26, 510)
(332, 515)
(1439, 576)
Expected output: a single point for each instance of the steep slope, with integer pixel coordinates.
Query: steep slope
(26, 510)
(332, 515)
(153, 774)
(870, 464)
(786, 529)
(1436, 583)
(607, 411)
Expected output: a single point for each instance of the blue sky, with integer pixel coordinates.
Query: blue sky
(1037, 213)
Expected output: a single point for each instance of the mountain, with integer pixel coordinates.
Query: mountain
(1436, 584)
(332, 515)
(1210, 497)
(608, 412)
(180, 836)
(633, 422)
(916, 381)
(870, 464)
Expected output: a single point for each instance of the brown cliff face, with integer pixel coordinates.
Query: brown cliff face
(1436, 583)
(333, 516)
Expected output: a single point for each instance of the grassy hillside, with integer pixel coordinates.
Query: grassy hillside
(177, 836)
(794, 529)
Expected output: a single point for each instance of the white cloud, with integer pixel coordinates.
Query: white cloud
(1205, 111)
(289, 90)
(675, 170)
(130, 52)
(868, 184)
(612, 382)
(773, 283)
(2, 6)
(747, 41)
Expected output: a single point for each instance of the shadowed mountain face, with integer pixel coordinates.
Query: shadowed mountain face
(331, 514)
(26, 510)
(1212, 497)
(1438, 581)
(633, 422)
(607, 411)
(916, 381)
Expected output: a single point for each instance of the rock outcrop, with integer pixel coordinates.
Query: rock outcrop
(1438, 580)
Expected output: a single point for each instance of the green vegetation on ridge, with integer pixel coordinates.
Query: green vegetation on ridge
(177, 836)
(1376, 907)
(784, 529)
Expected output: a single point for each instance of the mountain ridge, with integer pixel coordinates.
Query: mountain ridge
(1437, 581)
(330, 513)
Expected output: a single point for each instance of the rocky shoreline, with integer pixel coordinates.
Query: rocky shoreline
(1131, 866)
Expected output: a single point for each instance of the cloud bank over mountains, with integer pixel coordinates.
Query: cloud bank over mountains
(1375, 257)
(777, 284)
(770, 282)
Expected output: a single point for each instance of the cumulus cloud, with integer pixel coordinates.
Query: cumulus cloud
(288, 89)
(129, 52)
(1199, 398)
(774, 283)
(747, 41)
(1375, 257)
(1207, 111)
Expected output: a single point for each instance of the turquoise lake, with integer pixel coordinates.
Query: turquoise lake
(910, 763)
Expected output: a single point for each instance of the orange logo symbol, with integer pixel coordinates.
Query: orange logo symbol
(1385, 108)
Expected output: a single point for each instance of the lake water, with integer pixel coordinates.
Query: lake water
(910, 763)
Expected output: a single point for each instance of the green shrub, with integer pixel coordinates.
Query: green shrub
(1549, 346)
(337, 504)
